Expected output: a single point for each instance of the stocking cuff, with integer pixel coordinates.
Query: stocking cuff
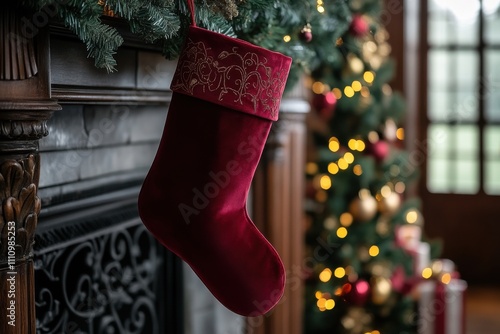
(232, 73)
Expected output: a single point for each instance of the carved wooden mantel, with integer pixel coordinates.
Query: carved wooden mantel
(25, 107)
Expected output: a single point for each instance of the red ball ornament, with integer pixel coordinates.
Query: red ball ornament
(403, 284)
(359, 26)
(324, 104)
(379, 150)
(356, 293)
(306, 33)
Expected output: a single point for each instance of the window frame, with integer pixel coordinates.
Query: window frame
(481, 48)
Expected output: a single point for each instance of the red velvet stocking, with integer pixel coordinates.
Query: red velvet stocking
(226, 94)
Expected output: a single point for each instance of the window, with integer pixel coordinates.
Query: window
(463, 107)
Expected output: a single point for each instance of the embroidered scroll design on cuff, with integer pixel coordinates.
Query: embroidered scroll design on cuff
(237, 77)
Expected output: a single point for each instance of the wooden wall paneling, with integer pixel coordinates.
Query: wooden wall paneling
(278, 191)
(295, 278)
(278, 228)
(256, 325)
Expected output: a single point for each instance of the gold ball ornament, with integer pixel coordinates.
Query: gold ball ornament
(389, 204)
(363, 207)
(356, 65)
(381, 288)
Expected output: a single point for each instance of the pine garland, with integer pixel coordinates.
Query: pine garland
(101, 40)
(155, 21)
(165, 23)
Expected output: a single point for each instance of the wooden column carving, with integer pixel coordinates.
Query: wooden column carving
(278, 192)
(25, 106)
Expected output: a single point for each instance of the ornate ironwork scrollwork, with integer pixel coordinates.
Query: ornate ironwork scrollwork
(104, 284)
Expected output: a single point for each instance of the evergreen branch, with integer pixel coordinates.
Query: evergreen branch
(125, 8)
(101, 40)
(155, 22)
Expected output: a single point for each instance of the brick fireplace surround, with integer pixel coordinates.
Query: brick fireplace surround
(75, 146)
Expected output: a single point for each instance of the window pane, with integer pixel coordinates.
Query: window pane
(467, 78)
(439, 143)
(492, 163)
(493, 107)
(467, 141)
(450, 23)
(492, 16)
(492, 142)
(439, 26)
(439, 108)
(453, 85)
(467, 110)
(492, 177)
(467, 66)
(437, 175)
(453, 140)
(438, 136)
(466, 180)
(439, 68)
(454, 148)
(492, 85)
(453, 158)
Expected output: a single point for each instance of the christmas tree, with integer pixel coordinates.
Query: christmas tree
(364, 236)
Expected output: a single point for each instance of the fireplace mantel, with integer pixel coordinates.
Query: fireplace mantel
(77, 187)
